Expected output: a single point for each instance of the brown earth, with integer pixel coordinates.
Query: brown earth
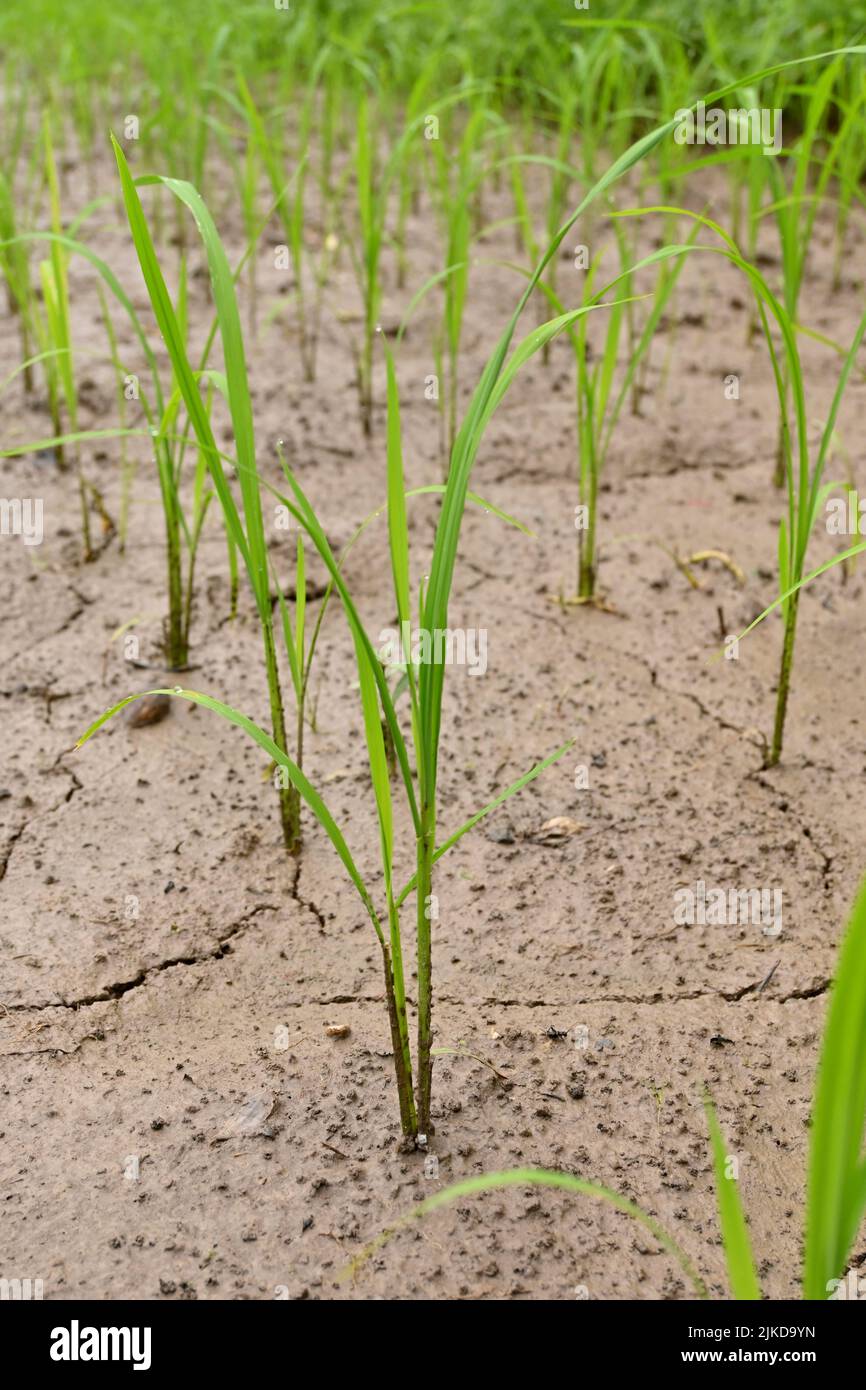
(267, 1160)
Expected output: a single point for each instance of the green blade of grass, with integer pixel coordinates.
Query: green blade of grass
(521, 1177)
(735, 1234)
(837, 1170)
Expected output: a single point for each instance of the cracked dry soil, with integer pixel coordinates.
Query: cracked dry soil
(175, 1120)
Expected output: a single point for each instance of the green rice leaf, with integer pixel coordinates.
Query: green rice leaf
(540, 1177)
(735, 1234)
(837, 1171)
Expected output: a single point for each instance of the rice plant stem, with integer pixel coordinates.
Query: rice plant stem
(86, 539)
(290, 806)
(396, 990)
(424, 864)
(175, 643)
(586, 539)
(175, 646)
(784, 679)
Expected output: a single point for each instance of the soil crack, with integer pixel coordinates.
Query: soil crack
(120, 987)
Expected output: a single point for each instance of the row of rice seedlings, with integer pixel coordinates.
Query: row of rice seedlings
(626, 64)
(836, 1181)
(40, 304)
(57, 357)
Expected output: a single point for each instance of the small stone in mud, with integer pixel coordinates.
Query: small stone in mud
(158, 1123)
(577, 1091)
(556, 831)
(337, 1030)
(149, 710)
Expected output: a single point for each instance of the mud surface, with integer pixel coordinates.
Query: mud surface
(176, 1121)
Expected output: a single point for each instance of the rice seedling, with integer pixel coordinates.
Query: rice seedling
(375, 696)
(15, 269)
(458, 177)
(836, 1182)
(599, 404)
(795, 209)
(54, 337)
(127, 463)
(851, 161)
(247, 536)
(806, 491)
(565, 99)
(371, 194)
